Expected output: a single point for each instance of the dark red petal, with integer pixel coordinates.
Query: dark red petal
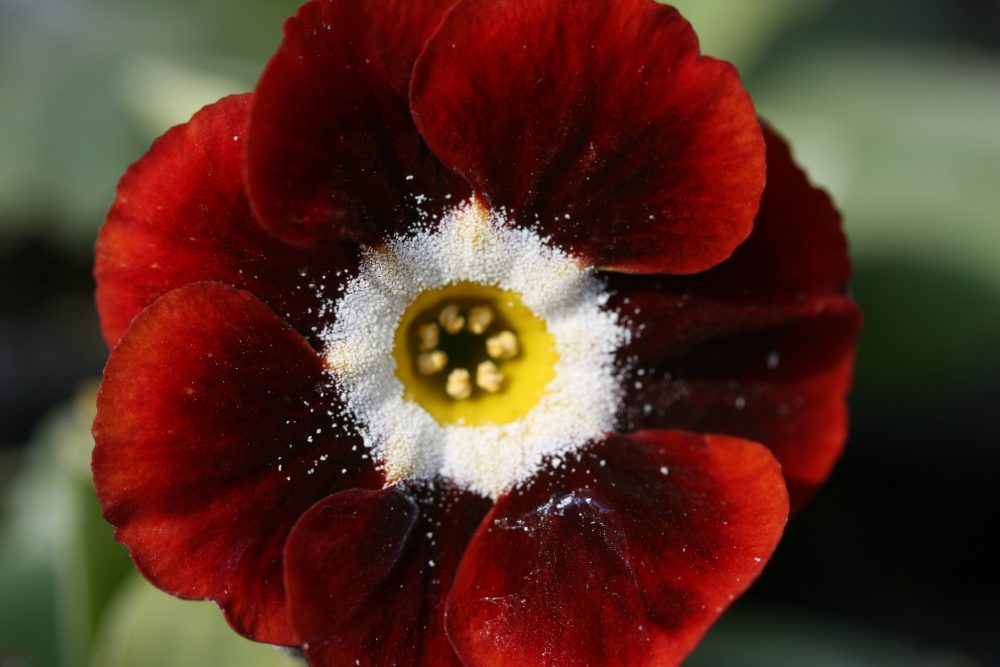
(794, 261)
(212, 437)
(797, 247)
(706, 343)
(368, 572)
(600, 119)
(332, 148)
(623, 558)
(551, 585)
(784, 386)
(181, 216)
(791, 265)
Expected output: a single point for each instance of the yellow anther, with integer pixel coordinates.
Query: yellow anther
(451, 319)
(480, 319)
(502, 346)
(488, 377)
(429, 335)
(459, 385)
(458, 391)
(429, 363)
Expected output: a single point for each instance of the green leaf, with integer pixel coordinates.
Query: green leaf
(60, 561)
(27, 608)
(741, 32)
(908, 142)
(82, 87)
(147, 627)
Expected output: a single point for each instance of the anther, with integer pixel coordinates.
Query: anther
(429, 363)
(451, 319)
(459, 385)
(502, 346)
(480, 319)
(429, 335)
(488, 377)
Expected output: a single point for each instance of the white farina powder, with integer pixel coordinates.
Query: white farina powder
(472, 245)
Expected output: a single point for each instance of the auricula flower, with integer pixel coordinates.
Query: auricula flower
(484, 332)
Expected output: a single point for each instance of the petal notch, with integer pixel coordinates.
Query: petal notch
(332, 150)
(601, 121)
(368, 573)
(622, 558)
(181, 216)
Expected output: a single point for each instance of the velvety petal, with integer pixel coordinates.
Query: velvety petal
(213, 435)
(182, 216)
(797, 247)
(368, 573)
(332, 147)
(624, 557)
(600, 120)
(760, 346)
(784, 386)
(797, 252)
(551, 585)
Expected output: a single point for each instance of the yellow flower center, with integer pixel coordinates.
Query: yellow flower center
(473, 354)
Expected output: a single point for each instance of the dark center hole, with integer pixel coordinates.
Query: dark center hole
(464, 349)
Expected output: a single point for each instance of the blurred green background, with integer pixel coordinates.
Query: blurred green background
(894, 106)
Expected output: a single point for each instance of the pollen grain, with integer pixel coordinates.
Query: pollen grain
(488, 377)
(502, 346)
(429, 363)
(459, 385)
(480, 319)
(429, 335)
(451, 319)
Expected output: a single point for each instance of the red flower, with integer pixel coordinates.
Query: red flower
(371, 414)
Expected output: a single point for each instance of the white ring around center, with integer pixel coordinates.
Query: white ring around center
(472, 244)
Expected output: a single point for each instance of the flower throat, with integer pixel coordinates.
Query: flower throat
(473, 354)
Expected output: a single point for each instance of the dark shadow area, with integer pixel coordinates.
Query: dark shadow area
(49, 336)
(900, 539)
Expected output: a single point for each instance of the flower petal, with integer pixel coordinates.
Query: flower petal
(622, 558)
(181, 216)
(797, 247)
(332, 148)
(784, 386)
(368, 572)
(212, 437)
(600, 120)
(762, 345)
